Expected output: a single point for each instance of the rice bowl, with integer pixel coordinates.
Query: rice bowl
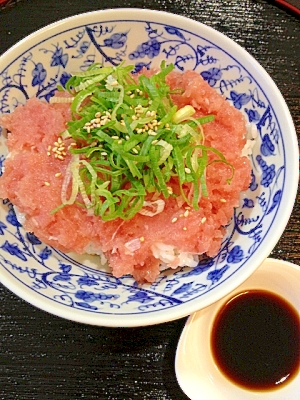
(74, 286)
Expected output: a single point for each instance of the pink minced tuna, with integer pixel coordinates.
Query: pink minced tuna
(32, 180)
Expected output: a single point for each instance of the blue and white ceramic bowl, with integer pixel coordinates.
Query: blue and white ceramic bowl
(72, 286)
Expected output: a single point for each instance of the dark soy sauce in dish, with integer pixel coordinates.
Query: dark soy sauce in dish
(255, 340)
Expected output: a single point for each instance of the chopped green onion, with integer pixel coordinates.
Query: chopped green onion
(130, 141)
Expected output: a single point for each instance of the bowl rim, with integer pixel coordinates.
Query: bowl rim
(289, 195)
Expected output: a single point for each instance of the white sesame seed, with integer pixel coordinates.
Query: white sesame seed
(115, 137)
(46, 183)
(184, 228)
(203, 220)
(134, 150)
(223, 200)
(57, 175)
(174, 220)
(142, 239)
(187, 170)
(186, 213)
(60, 157)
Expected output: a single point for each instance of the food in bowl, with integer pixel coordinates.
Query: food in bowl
(143, 169)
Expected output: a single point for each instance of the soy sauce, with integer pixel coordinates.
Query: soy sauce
(255, 340)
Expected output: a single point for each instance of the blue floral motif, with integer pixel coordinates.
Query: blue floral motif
(216, 275)
(267, 147)
(212, 76)
(84, 46)
(239, 99)
(248, 203)
(86, 305)
(32, 238)
(253, 185)
(87, 281)
(90, 297)
(174, 31)
(45, 253)
(59, 58)
(2, 159)
(65, 274)
(39, 74)
(141, 297)
(64, 78)
(116, 41)
(275, 201)
(12, 219)
(204, 265)
(236, 255)
(268, 171)
(183, 288)
(2, 228)
(13, 249)
(50, 94)
(139, 66)
(151, 49)
(253, 115)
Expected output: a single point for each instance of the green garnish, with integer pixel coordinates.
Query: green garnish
(130, 140)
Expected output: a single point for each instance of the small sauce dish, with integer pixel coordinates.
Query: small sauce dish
(199, 372)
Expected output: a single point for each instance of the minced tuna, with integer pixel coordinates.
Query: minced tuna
(34, 175)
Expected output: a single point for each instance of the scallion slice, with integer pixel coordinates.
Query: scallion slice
(130, 141)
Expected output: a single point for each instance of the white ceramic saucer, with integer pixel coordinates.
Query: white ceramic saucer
(196, 372)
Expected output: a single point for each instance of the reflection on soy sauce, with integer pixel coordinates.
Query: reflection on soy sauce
(255, 340)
